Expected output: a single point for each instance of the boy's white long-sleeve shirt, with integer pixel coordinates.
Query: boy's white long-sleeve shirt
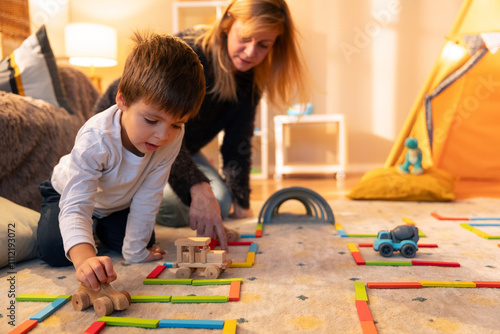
(100, 176)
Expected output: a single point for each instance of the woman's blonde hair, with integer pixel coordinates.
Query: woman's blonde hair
(282, 74)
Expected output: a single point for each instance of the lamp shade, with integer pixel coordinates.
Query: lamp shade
(89, 44)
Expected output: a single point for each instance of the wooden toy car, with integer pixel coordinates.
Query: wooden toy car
(105, 300)
(194, 253)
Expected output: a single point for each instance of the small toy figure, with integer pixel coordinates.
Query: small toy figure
(105, 300)
(413, 158)
(403, 238)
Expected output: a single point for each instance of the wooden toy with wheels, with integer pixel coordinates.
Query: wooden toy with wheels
(105, 300)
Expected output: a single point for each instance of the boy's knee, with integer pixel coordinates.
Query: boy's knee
(53, 254)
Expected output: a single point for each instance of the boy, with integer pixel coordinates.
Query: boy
(120, 163)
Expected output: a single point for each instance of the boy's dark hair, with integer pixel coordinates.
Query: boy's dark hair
(163, 70)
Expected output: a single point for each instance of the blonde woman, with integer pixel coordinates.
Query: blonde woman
(252, 49)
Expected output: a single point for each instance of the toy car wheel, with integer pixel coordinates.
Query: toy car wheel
(386, 250)
(127, 295)
(232, 235)
(103, 306)
(80, 301)
(212, 272)
(408, 250)
(183, 272)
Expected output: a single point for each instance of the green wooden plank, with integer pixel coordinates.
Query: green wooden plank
(493, 237)
(130, 322)
(359, 288)
(150, 299)
(225, 281)
(167, 281)
(40, 298)
(199, 299)
(388, 263)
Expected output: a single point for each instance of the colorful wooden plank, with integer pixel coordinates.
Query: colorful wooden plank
(49, 309)
(168, 264)
(394, 285)
(435, 263)
(487, 284)
(130, 322)
(369, 244)
(454, 284)
(199, 299)
(360, 290)
(229, 327)
(40, 298)
(234, 291)
(166, 281)
(251, 258)
(156, 272)
(258, 234)
(352, 247)
(253, 248)
(363, 310)
(188, 323)
(388, 263)
(475, 230)
(220, 281)
(95, 328)
(150, 299)
(439, 217)
(25, 327)
(368, 327)
(358, 258)
(241, 265)
(247, 236)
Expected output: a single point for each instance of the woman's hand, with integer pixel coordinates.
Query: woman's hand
(239, 212)
(155, 253)
(91, 270)
(204, 214)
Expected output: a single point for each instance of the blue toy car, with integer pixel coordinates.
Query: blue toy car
(403, 238)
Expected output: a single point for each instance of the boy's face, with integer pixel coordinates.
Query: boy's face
(145, 127)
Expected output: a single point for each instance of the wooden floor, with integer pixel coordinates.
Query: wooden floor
(328, 187)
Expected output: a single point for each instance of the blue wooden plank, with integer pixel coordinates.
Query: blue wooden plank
(168, 264)
(247, 236)
(253, 248)
(188, 323)
(49, 309)
(483, 224)
(342, 233)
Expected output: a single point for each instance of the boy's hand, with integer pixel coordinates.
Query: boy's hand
(204, 214)
(155, 253)
(96, 270)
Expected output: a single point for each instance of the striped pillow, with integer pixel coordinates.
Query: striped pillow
(31, 70)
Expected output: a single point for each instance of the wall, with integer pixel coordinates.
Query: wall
(368, 58)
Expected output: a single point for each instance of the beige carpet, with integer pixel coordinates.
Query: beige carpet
(303, 278)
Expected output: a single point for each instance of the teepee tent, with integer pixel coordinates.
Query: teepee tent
(456, 117)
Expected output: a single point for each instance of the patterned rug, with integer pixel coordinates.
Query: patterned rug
(304, 275)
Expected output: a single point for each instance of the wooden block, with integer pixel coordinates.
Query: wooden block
(481, 224)
(363, 311)
(258, 234)
(166, 281)
(130, 322)
(224, 281)
(150, 299)
(358, 258)
(342, 233)
(487, 284)
(394, 285)
(260, 227)
(49, 309)
(475, 230)
(229, 327)
(247, 236)
(241, 265)
(352, 247)
(453, 284)
(168, 264)
(253, 247)
(435, 263)
(198, 299)
(388, 263)
(365, 244)
(338, 226)
(238, 243)
(251, 258)
(156, 272)
(193, 241)
(234, 291)
(25, 327)
(490, 237)
(40, 298)
(359, 288)
(188, 323)
(368, 327)
(95, 328)
(439, 217)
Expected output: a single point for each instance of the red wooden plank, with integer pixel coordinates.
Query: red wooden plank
(439, 217)
(258, 234)
(156, 272)
(487, 284)
(394, 285)
(95, 328)
(358, 258)
(363, 311)
(368, 327)
(435, 263)
(367, 244)
(25, 327)
(234, 291)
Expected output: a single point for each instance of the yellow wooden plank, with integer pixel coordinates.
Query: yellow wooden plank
(453, 284)
(352, 247)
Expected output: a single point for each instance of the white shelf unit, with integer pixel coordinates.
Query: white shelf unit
(260, 134)
(312, 144)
